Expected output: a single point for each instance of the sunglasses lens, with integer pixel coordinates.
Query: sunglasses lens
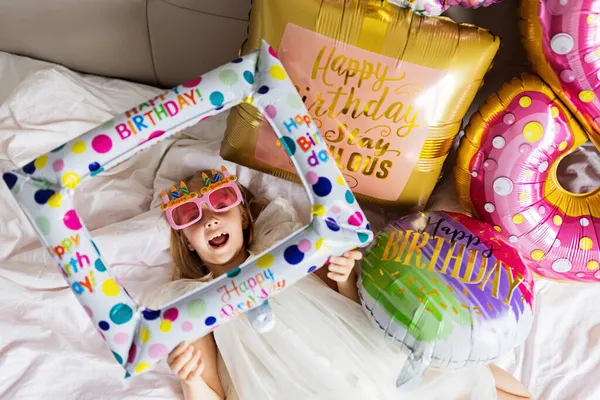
(223, 198)
(186, 213)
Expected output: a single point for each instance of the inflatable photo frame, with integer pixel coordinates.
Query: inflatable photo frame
(137, 336)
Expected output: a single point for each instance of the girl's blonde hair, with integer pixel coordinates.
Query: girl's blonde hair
(187, 263)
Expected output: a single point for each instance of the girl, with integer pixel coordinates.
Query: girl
(322, 345)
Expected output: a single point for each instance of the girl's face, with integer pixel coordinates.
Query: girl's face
(218, 237)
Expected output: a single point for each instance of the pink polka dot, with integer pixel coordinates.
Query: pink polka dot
(158, 350)
(312, 177)
(171, 314)
(156, 134)
(132, 351)
(490, 165)
(186, 326)
(272, 52)
(88, 311)
(271, 111)
(356, 219)
(304, 246)
(121, 338)
(580, 274)
(71, 220)
(102, 144)
(525, 148)
(567, 75)
(542, 210)
(335, 209)
(509, 118)
(58, 165)
(192, 83)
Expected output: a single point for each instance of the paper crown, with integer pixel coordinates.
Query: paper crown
(183, 194)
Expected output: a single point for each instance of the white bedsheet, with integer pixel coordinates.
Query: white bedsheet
(48, 346)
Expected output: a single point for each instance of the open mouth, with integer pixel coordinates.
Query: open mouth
(219, 241)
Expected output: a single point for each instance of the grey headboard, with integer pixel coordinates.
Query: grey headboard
(157, 42)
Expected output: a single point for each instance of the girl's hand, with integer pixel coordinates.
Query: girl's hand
(340, 268)
(186, 362)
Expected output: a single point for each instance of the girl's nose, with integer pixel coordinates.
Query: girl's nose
(211, 222)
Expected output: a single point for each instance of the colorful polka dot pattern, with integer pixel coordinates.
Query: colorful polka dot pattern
(566, 53)
(138, 336)
(512, 188)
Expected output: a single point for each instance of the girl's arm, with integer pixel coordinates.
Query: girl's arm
(196, 366)
(340, 275)
(507, 387)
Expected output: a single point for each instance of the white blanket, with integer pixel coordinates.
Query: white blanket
(48, 346)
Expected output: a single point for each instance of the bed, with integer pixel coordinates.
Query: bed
(48, 346)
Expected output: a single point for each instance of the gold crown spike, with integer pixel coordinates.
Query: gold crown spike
(205, 179)
(184, 189)
(225, 172)
(216, 177)
(174, 193)
(165, 197)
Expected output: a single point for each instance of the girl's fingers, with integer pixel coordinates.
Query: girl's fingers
(190, 366)
(334, 276)
(182, 360)
(177, 351)
(341, 261)
(197, 372)
(353, 254)
(340, 269)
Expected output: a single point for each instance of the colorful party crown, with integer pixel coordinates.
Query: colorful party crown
(177, 196)
(217, 182)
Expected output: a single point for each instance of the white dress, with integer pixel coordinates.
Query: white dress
(322, 346)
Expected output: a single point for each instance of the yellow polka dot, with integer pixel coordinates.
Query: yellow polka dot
(71, 180)
(144, 335)
(586, 243)
(533, 131)
(141, 367)
(518, 219)
(40, 162)
(55, 201)
(557, 220)
(523, 196)
(591, 19)
(110, 287)
(593, 265)
(78, 147)
(537, 255)
(166, 325)
(496, 227)
(341, 180)
(277, 72)
(318, 210)
(265, 261)
(554, 112)
(525, 101)
(319, 243)
(586, 96)
(563, 145)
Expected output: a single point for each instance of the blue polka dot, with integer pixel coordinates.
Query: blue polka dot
(120, 313)
(368, 227)
(349, 197)
(104, 325)
(363, 237)
(9, 179)
(29, 168)
(249, 77)
(219, 108)
(238, 60)
(210, 321)
(151, 314)
(323, 187)
(41, 196)
(99, 265)
(312, 269)
(293, 255)
(94, 166)
(95, 247)
(118, 358)
(263, 90)
(234, 272)
(58, 148)
(331, 224)
(289, 145)
(216, 98)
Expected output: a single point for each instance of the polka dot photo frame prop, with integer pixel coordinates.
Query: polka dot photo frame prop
(556, 232)
(137, 336)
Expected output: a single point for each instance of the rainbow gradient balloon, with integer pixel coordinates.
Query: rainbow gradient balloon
(449, 289)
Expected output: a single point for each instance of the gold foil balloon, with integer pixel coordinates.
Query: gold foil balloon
(386, 87)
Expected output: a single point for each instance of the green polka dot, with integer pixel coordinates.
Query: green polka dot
(294, 101)
(196, 308)
(43, 224)
(228, 77)
(16, 188)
